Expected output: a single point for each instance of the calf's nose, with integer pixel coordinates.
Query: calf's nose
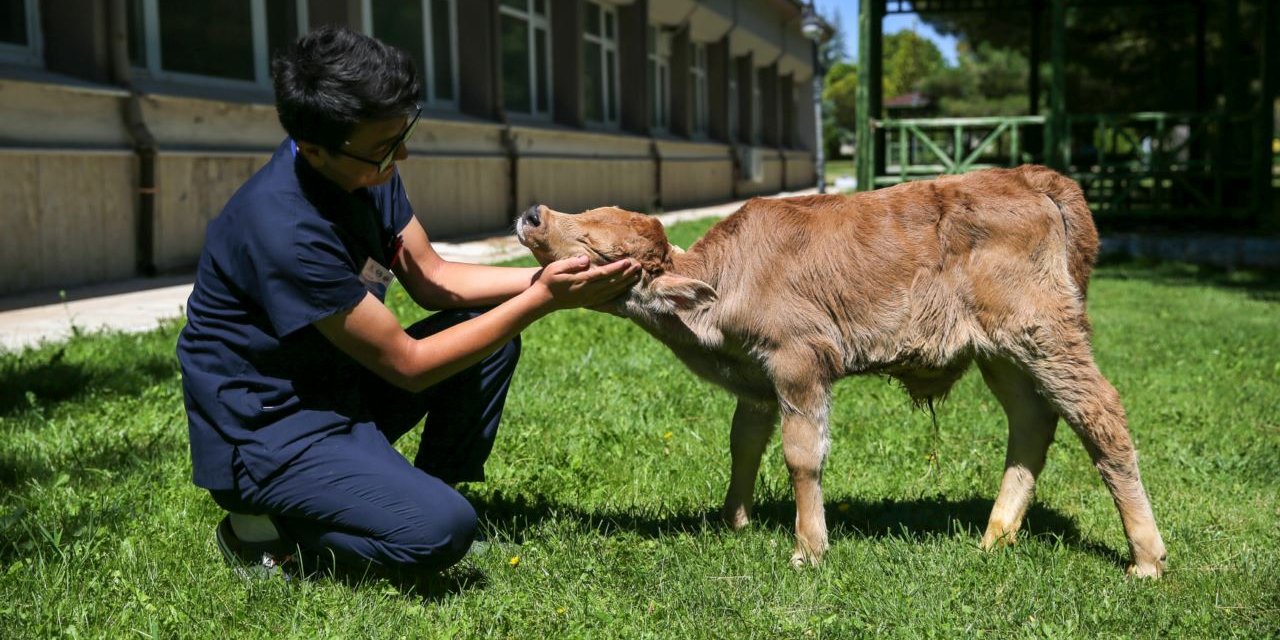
(531, 216)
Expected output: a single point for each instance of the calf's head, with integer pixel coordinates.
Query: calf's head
(608, 234)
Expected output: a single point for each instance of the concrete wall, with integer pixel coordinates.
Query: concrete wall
(67, 219)
(192, 188)
(71, 175)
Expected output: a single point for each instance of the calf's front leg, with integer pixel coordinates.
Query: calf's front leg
(753, 424)
(804, 399)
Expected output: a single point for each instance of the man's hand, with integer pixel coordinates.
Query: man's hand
(572, 282)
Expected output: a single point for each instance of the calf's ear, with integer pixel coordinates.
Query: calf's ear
(669, 293)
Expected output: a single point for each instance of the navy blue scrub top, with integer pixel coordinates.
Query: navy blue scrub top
(259, 381)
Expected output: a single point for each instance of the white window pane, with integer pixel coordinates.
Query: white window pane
(593, 19)
(282, 25)
(592, 83)
(442, 49)
(516, 89)
(542, 77)
(13, 22)
(611, 67)
(399, 23)
(137, 34)
(211, 38)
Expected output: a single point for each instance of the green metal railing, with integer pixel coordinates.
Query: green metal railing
(919, 148)
(1163, 164)
(1140, 164)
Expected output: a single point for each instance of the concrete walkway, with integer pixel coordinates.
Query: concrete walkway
(142, 304)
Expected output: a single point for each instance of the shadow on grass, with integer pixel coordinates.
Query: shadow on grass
(910, 519)
(426, 587)
(1257, 285)
(51, 379)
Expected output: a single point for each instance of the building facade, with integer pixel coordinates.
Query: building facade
(126, 124)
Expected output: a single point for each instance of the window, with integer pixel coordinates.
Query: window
(526, 56)
(427, 30)
(20, 31)
(757, 109)
(698, 87)
(215, 41)
(600, 65)
(660, 77)
(734, 108)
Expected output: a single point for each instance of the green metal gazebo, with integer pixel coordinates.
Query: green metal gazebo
(1210, 165)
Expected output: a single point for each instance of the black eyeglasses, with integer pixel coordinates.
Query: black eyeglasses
(391, 153)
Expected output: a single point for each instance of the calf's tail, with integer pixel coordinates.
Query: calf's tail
(1082, 235)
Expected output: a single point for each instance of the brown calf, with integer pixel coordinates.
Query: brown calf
(916, 281)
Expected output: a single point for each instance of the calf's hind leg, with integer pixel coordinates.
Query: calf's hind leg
(753, 424)
(1032, 422)
(1067, 376)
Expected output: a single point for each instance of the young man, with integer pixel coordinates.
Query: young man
(297, 378)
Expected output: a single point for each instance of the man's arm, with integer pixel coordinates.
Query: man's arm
(372, 335)
(435, 283)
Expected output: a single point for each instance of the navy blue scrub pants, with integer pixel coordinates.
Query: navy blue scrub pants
(353, 495)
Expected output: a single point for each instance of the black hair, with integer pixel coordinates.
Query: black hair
(333, 78)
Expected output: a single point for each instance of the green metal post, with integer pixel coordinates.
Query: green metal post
(869, 89)
(1056, 145)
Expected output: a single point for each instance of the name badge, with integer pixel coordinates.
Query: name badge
(374, 273)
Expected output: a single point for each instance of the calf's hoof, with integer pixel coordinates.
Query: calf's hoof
(997, 537)
(807, 555)
(1152, 569)
(736, 517)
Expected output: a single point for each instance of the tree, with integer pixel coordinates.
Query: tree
(840, 99)
(1127, 56)
(834, 50)
(908, 59)
(987, 81)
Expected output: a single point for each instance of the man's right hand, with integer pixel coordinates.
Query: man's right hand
(572, 282)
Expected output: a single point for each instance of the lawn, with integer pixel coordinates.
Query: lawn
(612, 461)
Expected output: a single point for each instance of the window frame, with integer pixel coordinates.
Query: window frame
(153, 65)
(537, 22)
(699, 86)
(660, 78)
(31, 53)
(429, 99)
(607, 46)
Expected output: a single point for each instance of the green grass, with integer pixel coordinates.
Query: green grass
(612, 459)
(839, 168)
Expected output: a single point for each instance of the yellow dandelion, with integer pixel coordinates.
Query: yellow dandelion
(667, 436)
(514, 561)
